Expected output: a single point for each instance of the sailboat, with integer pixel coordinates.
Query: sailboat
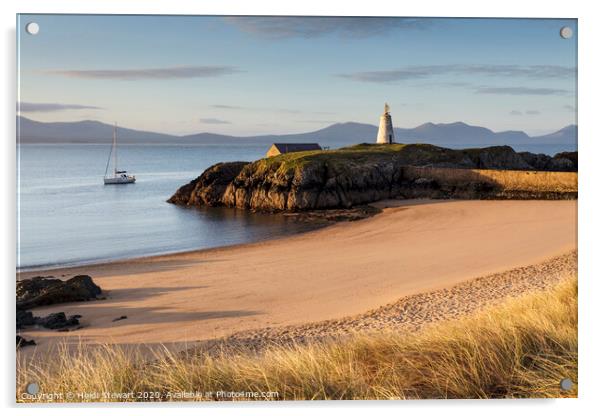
(119, 176)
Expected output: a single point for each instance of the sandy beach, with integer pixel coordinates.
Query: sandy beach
(412, 249)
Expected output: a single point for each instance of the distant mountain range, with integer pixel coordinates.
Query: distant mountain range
(458, 133)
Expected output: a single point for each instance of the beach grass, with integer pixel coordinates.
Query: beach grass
(521, 348)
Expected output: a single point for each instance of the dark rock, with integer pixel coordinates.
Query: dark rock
(29, 288)
(498, 157)
(46, 290)
(24, 318)
(536, 161)
(120, 318)
(329, 216)
(209, 187)
(481, 187)
(22, 342)
(428, 183)
(572, 156)
(561, 162)
(57, 320)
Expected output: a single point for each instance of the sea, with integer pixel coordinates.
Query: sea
(67, 216)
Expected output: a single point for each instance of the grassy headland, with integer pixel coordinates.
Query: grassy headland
(365, 173)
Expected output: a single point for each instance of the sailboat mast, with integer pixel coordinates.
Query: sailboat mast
(115, 148)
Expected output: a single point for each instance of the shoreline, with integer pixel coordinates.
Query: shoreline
(315, 219)
(122, 260)
(334, 272)
(117, 260)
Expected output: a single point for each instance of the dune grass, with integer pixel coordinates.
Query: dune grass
(521, 348)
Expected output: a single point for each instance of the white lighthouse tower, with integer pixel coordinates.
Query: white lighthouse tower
(385, 128)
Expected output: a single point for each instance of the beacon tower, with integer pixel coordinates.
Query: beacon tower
(385, 128)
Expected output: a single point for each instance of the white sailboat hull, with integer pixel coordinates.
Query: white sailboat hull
(119, 180)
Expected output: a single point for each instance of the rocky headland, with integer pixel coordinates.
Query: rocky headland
(365, 173)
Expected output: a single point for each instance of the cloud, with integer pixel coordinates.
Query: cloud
(213, 121)
(569, 107)
(520, 91)
(237, 107)
(528, 112)
(277, 27)
(528, 71)
(27, 107)
(387, 76)
(227, 107)
(176, 72)
(413, 72)
(317, 121)
(264, 109)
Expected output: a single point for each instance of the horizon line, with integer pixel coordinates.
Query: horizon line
(283, 134)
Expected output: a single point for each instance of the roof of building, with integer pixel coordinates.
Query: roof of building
(296, 147)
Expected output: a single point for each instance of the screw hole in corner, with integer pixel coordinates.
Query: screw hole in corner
(32, 28)
(566, 384)
(566, 32)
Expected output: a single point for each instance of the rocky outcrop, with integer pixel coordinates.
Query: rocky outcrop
(561, 162)
(22, 342)
(348, 177)
(208, 188)
(57, 320)
(47, 290)
(25, 318)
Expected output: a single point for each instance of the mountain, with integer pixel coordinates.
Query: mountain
(566, 135)
(356, 132)
(459, 133)
(86, 131)
(339, 134)
(350, 133)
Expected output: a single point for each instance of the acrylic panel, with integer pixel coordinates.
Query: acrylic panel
(295, 208)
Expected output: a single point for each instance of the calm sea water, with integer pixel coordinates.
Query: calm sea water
(68, 216)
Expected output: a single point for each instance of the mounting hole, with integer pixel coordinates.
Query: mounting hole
(566, 384)
(32, 388)
(32, 28)
(566, 32)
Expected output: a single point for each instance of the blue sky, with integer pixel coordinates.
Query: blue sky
(256, 75)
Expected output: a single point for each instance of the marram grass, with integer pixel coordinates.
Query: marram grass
(521, 348)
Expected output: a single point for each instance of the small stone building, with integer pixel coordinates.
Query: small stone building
(281, 148)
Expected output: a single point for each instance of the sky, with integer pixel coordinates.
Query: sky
(263, 75)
